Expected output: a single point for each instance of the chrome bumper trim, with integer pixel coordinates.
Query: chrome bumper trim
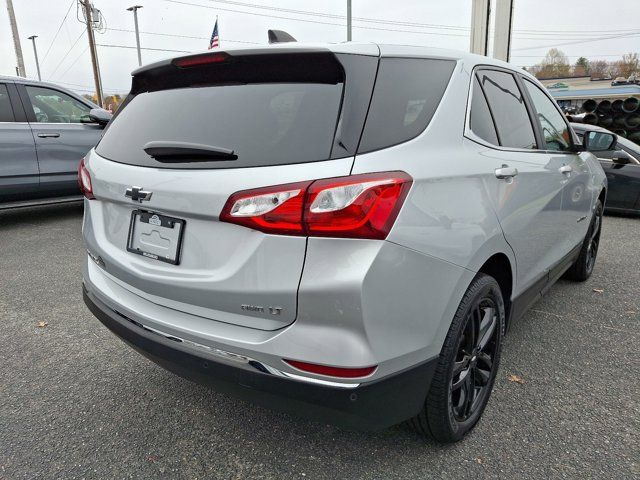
(237, 358)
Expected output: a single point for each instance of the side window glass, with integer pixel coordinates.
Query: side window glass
(405, 98)
(554, 128)
(508, 108)
(481, 122)
(6, 112)
(51, 106)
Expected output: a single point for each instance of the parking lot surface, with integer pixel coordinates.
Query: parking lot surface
(76, 402)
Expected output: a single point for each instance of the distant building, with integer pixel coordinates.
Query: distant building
(572, 91)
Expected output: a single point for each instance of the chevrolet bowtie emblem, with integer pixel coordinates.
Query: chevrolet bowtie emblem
(137, 194)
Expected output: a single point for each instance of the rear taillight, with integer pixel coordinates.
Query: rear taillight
(358, 206)
(84, 181)
(338, 372)
(275, 209)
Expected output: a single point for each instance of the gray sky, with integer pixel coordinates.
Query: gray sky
(577, 27)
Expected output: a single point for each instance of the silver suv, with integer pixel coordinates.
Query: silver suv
(341, 230)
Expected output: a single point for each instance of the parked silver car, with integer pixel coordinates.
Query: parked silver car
(341, 230)
(44, 130)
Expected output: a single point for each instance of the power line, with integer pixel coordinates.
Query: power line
(68, 52)
(227, 39)
(573, 56)
(336, 16)
(89, 88)
(313, 21)
(142, 48)
(178, 36)
(581, 41)
(410, 24)
(74, 62)
(58, 31)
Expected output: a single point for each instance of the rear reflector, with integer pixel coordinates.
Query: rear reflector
(197, 60)
(358, 206)
(84, 181)
(332, 371)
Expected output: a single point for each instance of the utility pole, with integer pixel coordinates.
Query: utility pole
(503, 30)
(134, 9)
(35, 53)
(480, 14)
(348, 20)
(16, 39)
(92, 48)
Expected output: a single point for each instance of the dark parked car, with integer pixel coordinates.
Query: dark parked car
(622, 167)
(44, 132)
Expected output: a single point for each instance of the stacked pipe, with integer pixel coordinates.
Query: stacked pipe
(620, 116)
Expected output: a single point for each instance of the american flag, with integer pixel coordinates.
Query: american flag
(215, 38)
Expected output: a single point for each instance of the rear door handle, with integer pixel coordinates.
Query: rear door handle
(506, 172)
(48, 135)
(565, 169)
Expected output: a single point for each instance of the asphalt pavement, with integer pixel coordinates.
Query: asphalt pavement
(76, 402)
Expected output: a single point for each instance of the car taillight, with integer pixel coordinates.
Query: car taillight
(339, 372)
(84, 181)
(358, 206)
(275, 209)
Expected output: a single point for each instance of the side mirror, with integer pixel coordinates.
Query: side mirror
(594, 141)
(99, 116)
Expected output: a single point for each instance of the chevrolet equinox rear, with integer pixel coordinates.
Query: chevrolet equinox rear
(338, 231)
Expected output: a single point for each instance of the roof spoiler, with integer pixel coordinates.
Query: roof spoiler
(280, 36)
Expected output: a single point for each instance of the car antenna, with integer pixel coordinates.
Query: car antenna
(280, 36)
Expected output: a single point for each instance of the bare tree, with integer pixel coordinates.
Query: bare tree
(554, 64)
(599, 69)
(628, 66)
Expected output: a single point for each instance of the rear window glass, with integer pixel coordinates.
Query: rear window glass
(263, 123)
(405, 97)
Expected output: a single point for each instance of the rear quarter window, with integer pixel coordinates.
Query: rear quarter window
(405, 98)
(508, 108)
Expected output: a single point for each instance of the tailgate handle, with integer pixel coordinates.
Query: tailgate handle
(48, 135)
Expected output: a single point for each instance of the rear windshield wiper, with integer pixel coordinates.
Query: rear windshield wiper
(167, 151)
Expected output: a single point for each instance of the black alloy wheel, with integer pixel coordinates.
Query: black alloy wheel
(467, 365)
(474, 362)
(582, 268)
(594, 240)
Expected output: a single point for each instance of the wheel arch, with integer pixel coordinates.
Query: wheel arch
(500, 268)
(602, 196)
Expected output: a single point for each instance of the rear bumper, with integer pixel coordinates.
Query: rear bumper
(370, 405)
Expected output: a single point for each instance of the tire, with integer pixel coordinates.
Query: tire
(449, 412)
(582, 268)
